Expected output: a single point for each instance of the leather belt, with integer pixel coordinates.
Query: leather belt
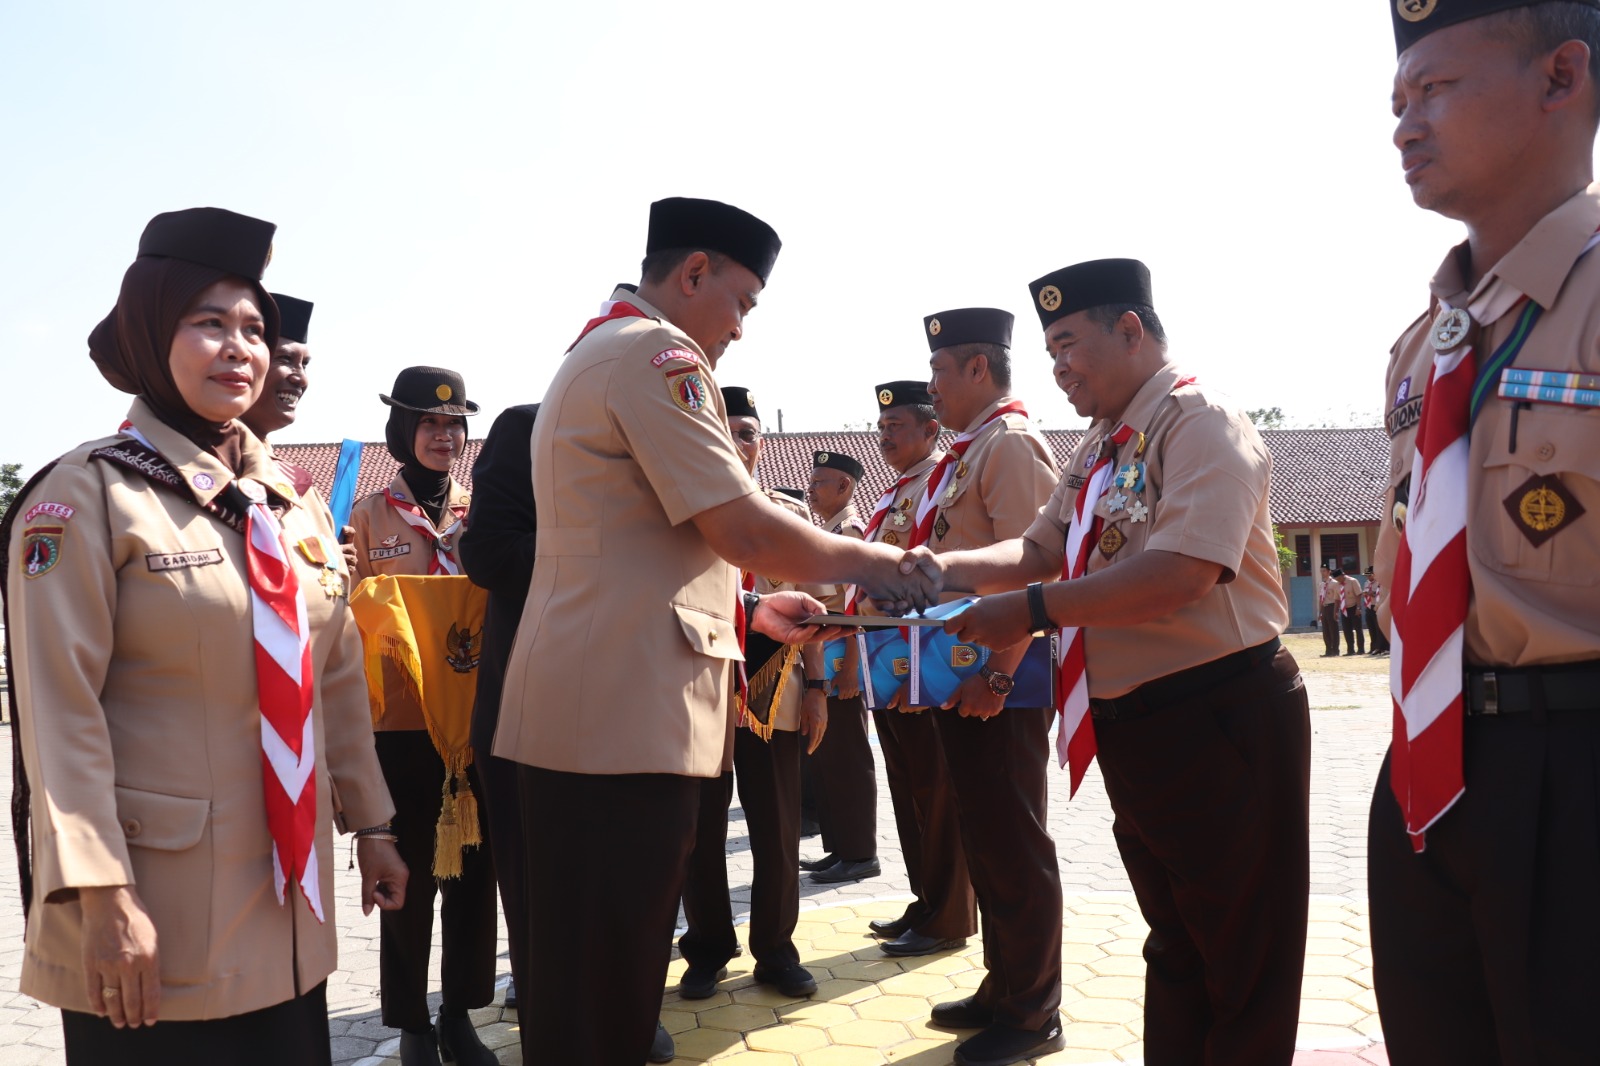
(1529, 689)
(1153, 695)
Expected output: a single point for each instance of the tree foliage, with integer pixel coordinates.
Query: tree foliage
(11, 483)
(1286, 556)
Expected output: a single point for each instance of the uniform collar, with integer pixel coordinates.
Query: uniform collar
(978, 420)
(456, 497)
(1538, 265)
(204, 473)
(844, 515)
(924, 464)
(1141, 410)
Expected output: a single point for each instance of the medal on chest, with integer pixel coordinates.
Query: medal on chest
(941, 527)
(317, 552)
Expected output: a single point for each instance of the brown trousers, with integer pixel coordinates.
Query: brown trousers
(769, 791)
(1211, 800)
(928, 824)
(998, 769)
(606, 860)
(847, 783)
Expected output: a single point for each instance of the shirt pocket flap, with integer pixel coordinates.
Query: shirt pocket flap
(155, 820)
(1550, 440)
(708, 634)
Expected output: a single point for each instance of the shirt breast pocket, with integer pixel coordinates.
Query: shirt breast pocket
(707, 633)
(1537, 514)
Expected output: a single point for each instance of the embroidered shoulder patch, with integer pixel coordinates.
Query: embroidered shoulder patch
(41, 549)
(676, 353)
(62, 511)
(687, 388)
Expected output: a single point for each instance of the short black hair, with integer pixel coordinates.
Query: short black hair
(922, 412)
(1542, 28)
(659, 264)
(998, 355)
(1107, 315)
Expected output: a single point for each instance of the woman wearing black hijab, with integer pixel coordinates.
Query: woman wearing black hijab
(413, 527)
(189, 692)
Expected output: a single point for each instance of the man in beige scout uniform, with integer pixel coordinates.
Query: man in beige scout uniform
(1484, 944)
(988, 488)
(1198, 710)
(787, 710)
(1328, 612)
(944, 910)
(847, 782)
(643, 505)
(286, 375)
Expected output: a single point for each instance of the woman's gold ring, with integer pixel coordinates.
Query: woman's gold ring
(111, 993)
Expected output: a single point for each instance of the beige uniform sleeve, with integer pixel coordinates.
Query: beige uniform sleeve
(1016, 481)
(1049, 529)
(1214, 474)
(61, 633)
(361, 522)
(685, 451)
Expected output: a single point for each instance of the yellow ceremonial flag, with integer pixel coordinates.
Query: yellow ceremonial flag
(429, 633)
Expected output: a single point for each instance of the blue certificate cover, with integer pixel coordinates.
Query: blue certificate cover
(935, 665)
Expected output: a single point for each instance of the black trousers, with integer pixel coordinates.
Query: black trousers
(293, 1031)
(998, 769)
(1330, 629)
(1484, 945)
(928, 824)
(1211, 804)
(1350, 620)
(601, 931)
(1375, 632)
(502, 818)
(847, 783)
(769, 791)
(468, 930)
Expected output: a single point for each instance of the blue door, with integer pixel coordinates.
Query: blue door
(1303, 602)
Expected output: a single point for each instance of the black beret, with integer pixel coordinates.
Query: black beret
(740, 402)
(794, 494)
(901, 393)
(430, 390)
(1415, 19)
(294, 318)
(1097, 283)
(211, 237)
(968, 325)
(838, 461)
(680, 222)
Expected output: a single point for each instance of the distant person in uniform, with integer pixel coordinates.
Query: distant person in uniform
(1328, 610)
(1170, 605)
(1484, 844)
(847, 780)
(1371, 593)
(618, 687)
(1349, 603)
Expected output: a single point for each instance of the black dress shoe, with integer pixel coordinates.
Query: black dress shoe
(963, 1014)
(889, 930)
(700, 982)
(511, 995)
(847, 870)
(809, 827)
(912, 942)
(419, 1049)
(1000, 1045)
(793, 980)
(662, 1049)
(459, 1043)
(819, 863)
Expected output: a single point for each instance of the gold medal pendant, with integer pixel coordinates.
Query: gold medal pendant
(1450, 329)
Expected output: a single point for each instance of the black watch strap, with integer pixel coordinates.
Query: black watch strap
(817, 683)
(751, 602)
(1038, 619)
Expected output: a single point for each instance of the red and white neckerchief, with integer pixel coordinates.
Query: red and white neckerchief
(1343, 588)
(852, 594)
(282, 636)
(412, 515)
(1075, 743)
(944, 474)
(609, 310)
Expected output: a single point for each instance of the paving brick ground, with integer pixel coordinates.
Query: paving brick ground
(870, 1009)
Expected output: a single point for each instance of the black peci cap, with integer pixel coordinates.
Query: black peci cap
(838, 461)
(213, 237)
(794, 494)
(1097, 283)
(902, 393)
(1415, 19)
(968, 325)
(740, 402)
(681, 222)
(430, 390)
(294, 318)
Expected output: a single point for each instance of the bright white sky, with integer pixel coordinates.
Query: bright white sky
(461, 184)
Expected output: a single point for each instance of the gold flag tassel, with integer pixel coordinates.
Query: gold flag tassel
(447, 836)
(775, 673)
(467, 811)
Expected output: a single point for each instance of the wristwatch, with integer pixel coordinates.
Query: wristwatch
(1038, 617)
(817, 684)
(1000, 684)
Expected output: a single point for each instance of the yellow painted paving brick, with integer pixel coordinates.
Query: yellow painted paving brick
(1086, 907)
(844, 1055)
(1119, 966)
(1077, 934)
(967, 979)
(1328, 988)
(1330, 1012)
(832, 915)
(845, 942)
(863, 1033)
(815, 1013)
(894, 1009)
(1097, 1035)
(756, 1058)
(941, 964)
(1072, 1057)
(1082, 953)
(919, 1053)
(1131, 1053)
(915, 984)
(792, 1039)
(1107, 1011)
(1124, 946)
(763, 996)
(1323, 1036)
(1331, 966)
(1112, 987)
(737, 1018)
(1329, 946)
(838, 991)
(1330, 931)
(677, 1021)
(1367, 1000)
(868, 969)
(811, 930)
(702, 1044)
(673, 1001)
